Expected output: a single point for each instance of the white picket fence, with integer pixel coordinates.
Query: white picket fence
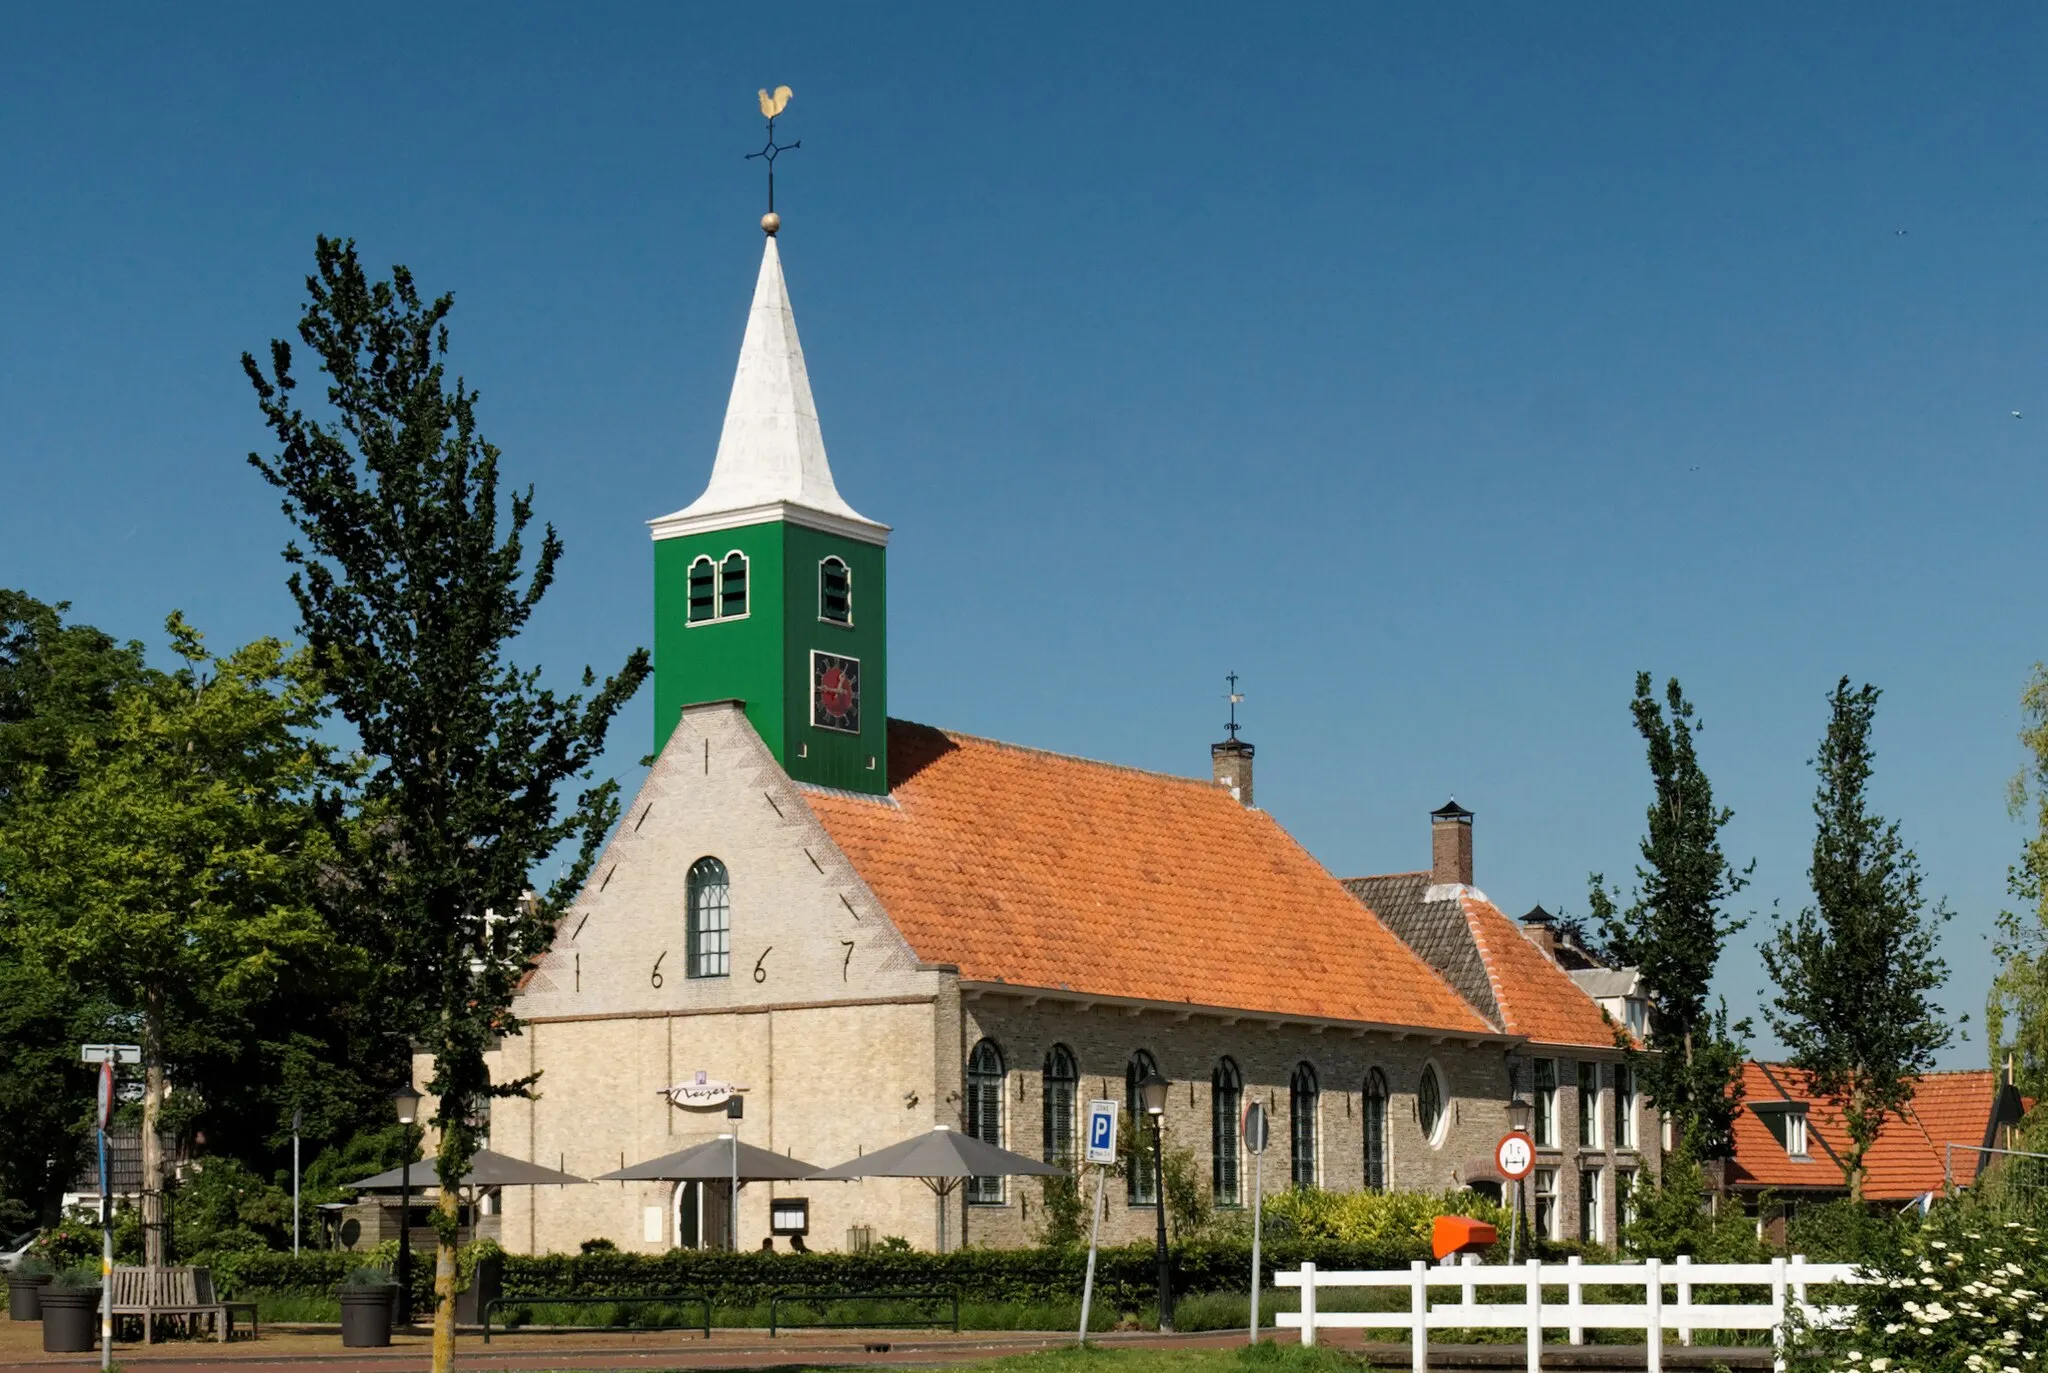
(1785, 1281)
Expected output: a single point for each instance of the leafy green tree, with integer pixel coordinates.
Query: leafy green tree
(160, 865)
(57, 685)
(1857, 971)
(410, 594)
(1674, 928)
(2016, 1014)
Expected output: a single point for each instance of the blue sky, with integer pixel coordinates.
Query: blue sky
(1434, 367)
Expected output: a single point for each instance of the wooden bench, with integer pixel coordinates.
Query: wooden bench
(153, 1292)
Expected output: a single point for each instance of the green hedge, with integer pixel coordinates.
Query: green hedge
(1124, 1276)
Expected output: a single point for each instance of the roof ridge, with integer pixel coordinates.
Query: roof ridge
(962, 736)
(1508, 1020)
(1382, 876)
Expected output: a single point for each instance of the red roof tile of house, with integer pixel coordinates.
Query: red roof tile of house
(1909, 1157)
(1536, 997)
(1044, 870)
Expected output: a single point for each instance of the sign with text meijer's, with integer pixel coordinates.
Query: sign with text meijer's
(1101, 1134)
(702, 1092)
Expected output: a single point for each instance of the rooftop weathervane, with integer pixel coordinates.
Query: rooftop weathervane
(772, 104)
(1236, 699)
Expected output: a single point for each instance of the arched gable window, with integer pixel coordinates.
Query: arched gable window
(703, 591)
(1226, 1102)
(985, 1114)
(1376, 1131)
(710, 920)
(835, 592)
(732, 586)
(1060, 1089)
(1304, 1097)
(1429, 1103)
(1141, 1180)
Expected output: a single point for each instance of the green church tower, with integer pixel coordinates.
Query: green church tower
(769, 588)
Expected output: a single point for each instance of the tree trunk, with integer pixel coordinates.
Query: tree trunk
(444, 1280)
(152, 1110)
(1857, 1146)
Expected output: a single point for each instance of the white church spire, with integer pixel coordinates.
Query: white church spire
(771, 461)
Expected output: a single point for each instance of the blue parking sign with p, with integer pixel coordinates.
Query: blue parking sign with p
(1101, 1134)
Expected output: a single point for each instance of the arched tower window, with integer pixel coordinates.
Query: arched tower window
(1376, 1131)
(1429, 1103)
(1141, 1180)
(985, 1114)
(1060, 1089)
(1304, 1098)
(1226, 1102)
(732, 586)
(703, 591)
(835, 592)
(710, 935)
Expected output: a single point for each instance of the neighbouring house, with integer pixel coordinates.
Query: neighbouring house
(1791, 1144)
(871, 927)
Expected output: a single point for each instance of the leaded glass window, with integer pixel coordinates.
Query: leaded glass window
(1141, 1181)
(1061, 1087)
(985, 1115)
(1376, 1131)
(1429, 1103)
(1226, 1102)
(732, 587)
(703, 591)
(710, 920)
(835, 592)
(1304, 1098)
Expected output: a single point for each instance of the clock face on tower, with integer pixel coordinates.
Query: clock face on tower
(835, 692)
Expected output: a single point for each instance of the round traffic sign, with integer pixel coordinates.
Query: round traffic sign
(1516, 1155)
(1255, 1128)
(106, 1093)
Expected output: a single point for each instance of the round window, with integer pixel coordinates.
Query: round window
(1429, 1103)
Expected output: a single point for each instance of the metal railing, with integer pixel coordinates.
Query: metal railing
(698, 1299)
(1786, 1279)
(820, 1300)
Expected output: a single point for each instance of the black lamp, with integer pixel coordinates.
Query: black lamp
(1520, 1114)
(1152, 1096)
(405, 1103)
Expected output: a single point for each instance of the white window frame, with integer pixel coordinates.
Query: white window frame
(690, 576)
(747, 566)
(1590, 1203)
(1796, 1142)
(1624, 1206)
(1590, 1136)
(823, 618)
(1544, 1218)
(1627, 1133)
(1544, 1124)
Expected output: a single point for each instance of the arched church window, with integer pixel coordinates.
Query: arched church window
(1226, 1101)
(1304, 1098)
(703, 591)
(1141, 1180)
(985, 1114)
(710, 919)
(835, 592)
(1061, 1087)
(732, 586)
(1376, 1131)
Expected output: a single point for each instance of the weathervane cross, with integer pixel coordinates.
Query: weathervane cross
(772, 104)
(1236, 698)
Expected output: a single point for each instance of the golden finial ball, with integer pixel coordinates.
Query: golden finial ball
(770, 222)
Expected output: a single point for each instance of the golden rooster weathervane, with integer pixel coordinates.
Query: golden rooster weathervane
(773, 103)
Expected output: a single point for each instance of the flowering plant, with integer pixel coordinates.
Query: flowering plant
(1963, 1294)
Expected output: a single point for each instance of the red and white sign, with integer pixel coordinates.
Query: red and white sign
(106, 1094)
(1515, 1155)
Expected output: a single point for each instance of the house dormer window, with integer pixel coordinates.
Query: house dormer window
(835, 592)
(1636, 1015)
(1795, 1133)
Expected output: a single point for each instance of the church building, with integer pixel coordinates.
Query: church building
(872, 928)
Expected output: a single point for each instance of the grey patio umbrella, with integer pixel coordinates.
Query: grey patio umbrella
(485, 1170)
(715, 1160)
(940, 1158)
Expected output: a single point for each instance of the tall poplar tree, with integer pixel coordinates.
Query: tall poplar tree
(1856, 971)
(2016, 1014)
(1674, 927)
(413, 578)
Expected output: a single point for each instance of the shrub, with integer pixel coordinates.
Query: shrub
(78, 1278)
(34, 1266)
(67, 1243)
(1387, 1222)
(367, 1280)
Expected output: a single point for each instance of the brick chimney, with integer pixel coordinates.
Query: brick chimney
(1232, 761)
(1450, 845)
(1541, 928)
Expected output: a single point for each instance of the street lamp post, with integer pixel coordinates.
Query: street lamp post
(1521, 1114)
(406, 1102)
(1152, 1096)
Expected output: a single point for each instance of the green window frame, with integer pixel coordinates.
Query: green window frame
(1059, 1093)
(1141, 1182)
(1375, 1099)
(1226, 1103)
(1304, 1101)
(985, 1075)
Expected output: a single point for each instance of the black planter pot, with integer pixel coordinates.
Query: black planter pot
(366, 1317)
(71, 1319)
(25, 1296)
(486, 1285)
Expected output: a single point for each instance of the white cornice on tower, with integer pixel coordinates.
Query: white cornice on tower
(771, 460)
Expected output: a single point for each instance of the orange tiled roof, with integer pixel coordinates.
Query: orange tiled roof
(1044, 870)
(1909, 1157)
(1536, 997)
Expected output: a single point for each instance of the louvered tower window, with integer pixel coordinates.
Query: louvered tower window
(703, 591)
(732, 587)
(835, 592)
(985, 1115)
